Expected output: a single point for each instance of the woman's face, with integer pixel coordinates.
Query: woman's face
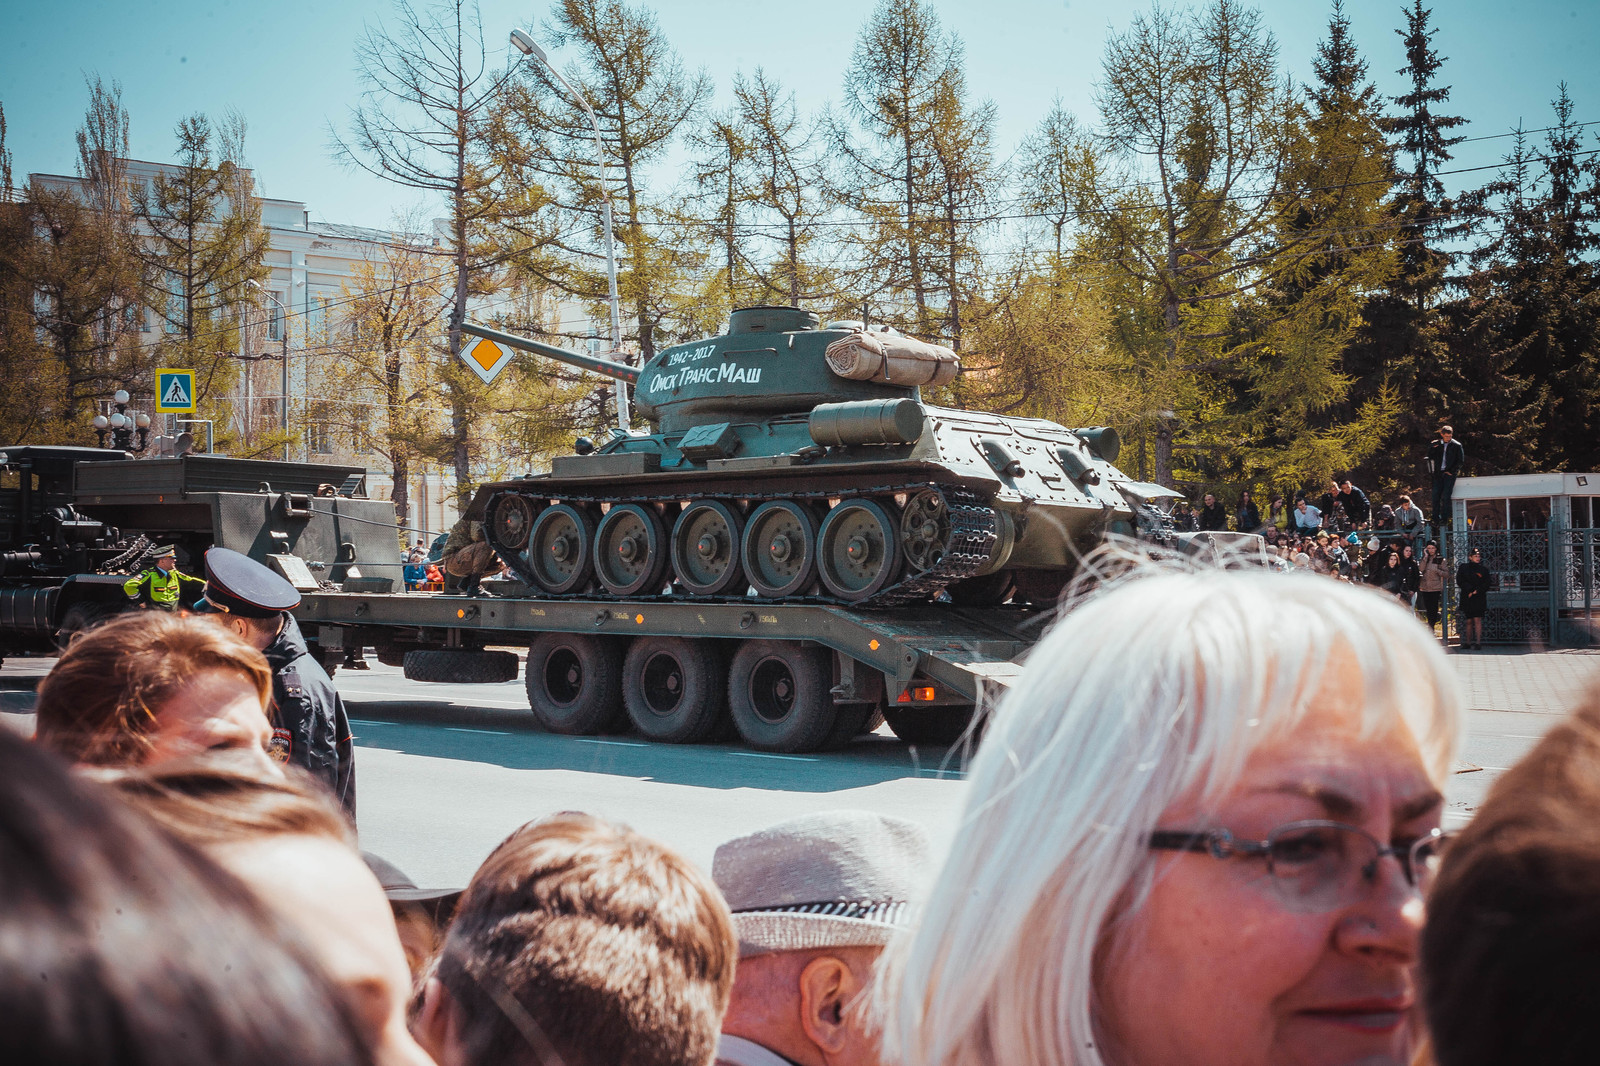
(1217, 969)
(215, 710)
(1394, 560)
(322, 888)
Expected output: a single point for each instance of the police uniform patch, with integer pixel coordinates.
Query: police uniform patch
(281, 746)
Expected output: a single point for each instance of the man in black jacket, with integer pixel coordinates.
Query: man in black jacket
(311, 727)
(1212, 514)
(1446, 457)
(1356, 505)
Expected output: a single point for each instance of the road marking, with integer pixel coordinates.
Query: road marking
(613, 743)
(464, 729)
(764, 755)
(406, 697)
(368, 721)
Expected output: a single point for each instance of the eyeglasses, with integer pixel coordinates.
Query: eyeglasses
(1317, 866)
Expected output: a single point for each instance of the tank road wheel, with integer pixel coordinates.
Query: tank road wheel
(925, 530)
(573, 683)
(986, 591)
(510, 522)
(705, 549)
(560, 554)
(779, 548)
(858, 549)
(630, 550)
(675, 690)
(779, 696)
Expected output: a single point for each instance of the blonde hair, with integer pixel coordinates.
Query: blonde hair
(1159, 686)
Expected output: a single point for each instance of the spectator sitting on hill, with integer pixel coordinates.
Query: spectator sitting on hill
(1307, 519)
(582, 943)
(1384, 521)
(1213, 516)
(814, 900)
(1278, 514)
(1409, 521)
(1356, 505)
(1248, 515)
(149, 687)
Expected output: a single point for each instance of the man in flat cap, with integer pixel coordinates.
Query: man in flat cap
(312, 729)
(814, 901)
(159, 585)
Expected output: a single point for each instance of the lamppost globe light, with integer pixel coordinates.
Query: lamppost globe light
(118, 420)
(120, 396)
(528, 46)
(101, 422)
(141, 420)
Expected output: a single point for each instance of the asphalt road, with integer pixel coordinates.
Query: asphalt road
(446, 771)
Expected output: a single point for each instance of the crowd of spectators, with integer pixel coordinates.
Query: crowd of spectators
(1230, 856)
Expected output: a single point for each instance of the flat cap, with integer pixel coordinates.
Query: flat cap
(237, 584)
(162, 552)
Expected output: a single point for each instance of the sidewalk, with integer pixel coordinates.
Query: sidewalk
(1531, 682)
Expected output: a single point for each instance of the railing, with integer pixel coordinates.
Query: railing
(1545, 584)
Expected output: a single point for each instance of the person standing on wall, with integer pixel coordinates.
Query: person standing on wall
(159, 585)
(311, 726)
(1446, 457)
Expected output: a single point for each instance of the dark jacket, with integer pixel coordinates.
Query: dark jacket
(1393, 579)
(1413, 574)
(1356, 505)
(310, 717)
(1446, 460)
(1249, 516)
(1474, 580)
(1214, 517)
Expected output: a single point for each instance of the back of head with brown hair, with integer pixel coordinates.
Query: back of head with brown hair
(99, 704)
(206, 801)
(583, 942)
(1514, 917)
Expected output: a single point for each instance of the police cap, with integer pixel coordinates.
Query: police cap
(237, 584)
(162, 552)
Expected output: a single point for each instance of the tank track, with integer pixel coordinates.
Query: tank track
(974, 530)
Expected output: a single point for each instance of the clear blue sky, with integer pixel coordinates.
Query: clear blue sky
(288, 67)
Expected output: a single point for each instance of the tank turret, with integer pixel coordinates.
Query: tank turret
(789, 460)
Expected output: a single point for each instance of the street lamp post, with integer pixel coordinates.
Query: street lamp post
(283, 333)
(529, 47)
(122, 426)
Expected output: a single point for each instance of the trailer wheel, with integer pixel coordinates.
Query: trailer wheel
(460, 666)
(930, 725)
(675, 690)
(392, 654)
(573, 683)
(850, 721)
(779, 696)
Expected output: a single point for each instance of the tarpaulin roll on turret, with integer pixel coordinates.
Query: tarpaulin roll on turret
(892, 358)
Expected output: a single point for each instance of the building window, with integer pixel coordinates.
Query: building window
(275, 317)
(319, 430)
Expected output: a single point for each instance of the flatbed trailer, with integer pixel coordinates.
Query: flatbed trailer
(783, 676)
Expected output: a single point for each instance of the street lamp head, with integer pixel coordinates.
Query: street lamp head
(120, 396)
(254, 284)
(118, 420)
(101, 422)
(528, 46)
(141, 420)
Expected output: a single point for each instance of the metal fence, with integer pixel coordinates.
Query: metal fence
(1545, 584)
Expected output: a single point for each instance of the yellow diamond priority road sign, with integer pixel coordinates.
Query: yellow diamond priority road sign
(486, 358)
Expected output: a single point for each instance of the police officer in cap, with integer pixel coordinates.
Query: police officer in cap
(312, 728)
(159, 585)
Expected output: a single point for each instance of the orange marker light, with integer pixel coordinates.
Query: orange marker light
(873, 644)
(461, 613)
(919, 694)
(639, 618)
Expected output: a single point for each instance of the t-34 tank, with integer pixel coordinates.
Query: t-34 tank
(801, 462)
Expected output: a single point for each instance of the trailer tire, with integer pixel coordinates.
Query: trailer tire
(574, 683)
(461, 666)
(779, 695)
(392, 654)
(850, 721)
(674, 689)
(930, 725)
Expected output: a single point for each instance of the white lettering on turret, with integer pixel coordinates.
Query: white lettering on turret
(732, 373)
(692, 355)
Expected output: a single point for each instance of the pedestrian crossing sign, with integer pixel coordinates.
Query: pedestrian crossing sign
(175, 391)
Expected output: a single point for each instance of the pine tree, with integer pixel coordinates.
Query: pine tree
(1402, 345)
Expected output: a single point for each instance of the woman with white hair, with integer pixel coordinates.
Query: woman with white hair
(1198, 834)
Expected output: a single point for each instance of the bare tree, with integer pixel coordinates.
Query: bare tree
(429, 92)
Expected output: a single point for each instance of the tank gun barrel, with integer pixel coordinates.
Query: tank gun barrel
(594, 364)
